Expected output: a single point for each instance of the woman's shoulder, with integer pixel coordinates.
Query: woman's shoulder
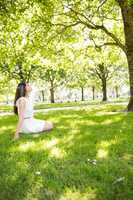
(21, 100)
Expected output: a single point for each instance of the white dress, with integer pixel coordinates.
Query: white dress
(30, 124)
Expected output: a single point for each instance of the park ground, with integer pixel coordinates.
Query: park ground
(87, 156)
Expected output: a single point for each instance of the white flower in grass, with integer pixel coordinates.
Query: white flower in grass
(38, 173)
(94, 161)
(118, 180)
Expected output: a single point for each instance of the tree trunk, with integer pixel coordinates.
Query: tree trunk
(43, 99)
(127, 14)
(116, 92)
(7, 99)
(52, 95)
(52, 92)
(93, 92)
(82, 93)
(104, 90)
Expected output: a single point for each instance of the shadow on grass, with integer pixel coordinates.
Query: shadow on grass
(55, 166)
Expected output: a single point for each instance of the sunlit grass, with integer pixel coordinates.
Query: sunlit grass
(42, 145)
(88, 155)
(76, 195)
(44, 105)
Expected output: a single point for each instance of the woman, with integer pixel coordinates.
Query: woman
(23, 107)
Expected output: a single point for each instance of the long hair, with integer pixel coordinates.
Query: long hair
(20, 92)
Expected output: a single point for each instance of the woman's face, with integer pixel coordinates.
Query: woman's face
(28, 87)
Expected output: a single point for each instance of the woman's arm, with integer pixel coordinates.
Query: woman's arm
(21, 108)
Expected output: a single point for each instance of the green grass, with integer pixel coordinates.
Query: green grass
(55, 165)
(53, 105)
(6, 108)
(45, 105)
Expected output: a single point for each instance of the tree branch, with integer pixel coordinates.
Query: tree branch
(104, 44)
(91, 25)
(101, 4)
(122, 46)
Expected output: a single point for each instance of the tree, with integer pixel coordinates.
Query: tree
(21, 36)
(101, 72)
(127, 14)
(119, 79)
(78, 78)
(99, 21)
(103, 64)
(54, 76)
(95, 16)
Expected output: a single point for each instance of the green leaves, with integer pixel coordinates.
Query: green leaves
(63, 33)
(52, 74)
(130, 2)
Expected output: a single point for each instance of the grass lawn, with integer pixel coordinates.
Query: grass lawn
(45, 105)
(88, 156)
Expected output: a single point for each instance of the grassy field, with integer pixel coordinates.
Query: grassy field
(44, 105)
(9, 108)
(52, 105)
(88, 156)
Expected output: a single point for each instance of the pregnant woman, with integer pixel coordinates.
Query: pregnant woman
(23, 107)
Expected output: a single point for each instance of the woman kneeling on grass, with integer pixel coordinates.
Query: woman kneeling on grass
(23, 107)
